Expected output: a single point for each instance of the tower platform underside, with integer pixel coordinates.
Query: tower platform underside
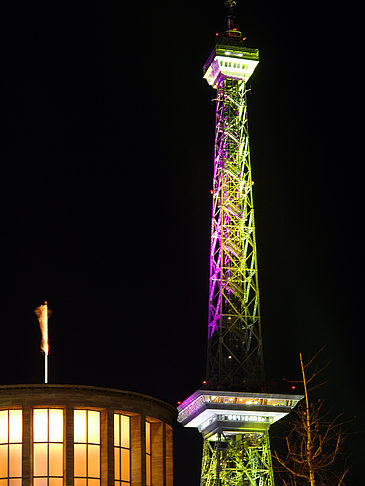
(231, 413)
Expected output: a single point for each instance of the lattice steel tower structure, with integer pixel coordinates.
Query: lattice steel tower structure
(232, 412)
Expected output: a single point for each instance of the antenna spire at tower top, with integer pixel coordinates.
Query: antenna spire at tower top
(230, 4)
(232, 30)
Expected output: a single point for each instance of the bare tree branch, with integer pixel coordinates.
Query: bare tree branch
(314, 444)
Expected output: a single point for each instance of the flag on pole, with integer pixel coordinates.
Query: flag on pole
(43, 313)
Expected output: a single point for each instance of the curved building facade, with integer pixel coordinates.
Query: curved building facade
(70, 435)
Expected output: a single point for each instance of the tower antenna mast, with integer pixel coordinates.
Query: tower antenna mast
(232, 412)
(231, 5)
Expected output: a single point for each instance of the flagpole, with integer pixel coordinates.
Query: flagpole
(46, 347)
(45, 368)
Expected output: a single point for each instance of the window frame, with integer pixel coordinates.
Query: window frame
(88, 479)
(119, 448)
(48, 477)
(9, 478)
(148, 454)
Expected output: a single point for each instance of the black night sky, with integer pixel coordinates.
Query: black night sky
(107, 132)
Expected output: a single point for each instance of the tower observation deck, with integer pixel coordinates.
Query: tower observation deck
(232, 413)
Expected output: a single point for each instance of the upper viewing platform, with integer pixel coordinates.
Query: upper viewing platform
(230, 59)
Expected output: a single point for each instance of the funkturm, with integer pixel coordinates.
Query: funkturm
(233, 411)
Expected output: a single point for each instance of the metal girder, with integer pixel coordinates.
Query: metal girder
(235, 356)
(237, 460)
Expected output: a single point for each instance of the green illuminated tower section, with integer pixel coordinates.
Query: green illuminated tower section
(232, 412)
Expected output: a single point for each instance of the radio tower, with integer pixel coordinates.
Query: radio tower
(232, 412)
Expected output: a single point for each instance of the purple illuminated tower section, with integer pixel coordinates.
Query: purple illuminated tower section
(234, 357)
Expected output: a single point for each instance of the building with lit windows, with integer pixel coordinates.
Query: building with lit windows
(66, 435)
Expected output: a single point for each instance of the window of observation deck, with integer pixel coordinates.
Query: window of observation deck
(122, 450)
(86, 448)
(11, 447)
(47, 447)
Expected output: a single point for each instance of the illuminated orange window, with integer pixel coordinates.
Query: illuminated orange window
(148, 454)
(10, 447)
(86, 448)
(122, 450)
(48, 447)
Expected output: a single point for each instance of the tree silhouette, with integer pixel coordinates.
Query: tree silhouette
(314, 443)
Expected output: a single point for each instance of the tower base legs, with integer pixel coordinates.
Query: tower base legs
(237, 460)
